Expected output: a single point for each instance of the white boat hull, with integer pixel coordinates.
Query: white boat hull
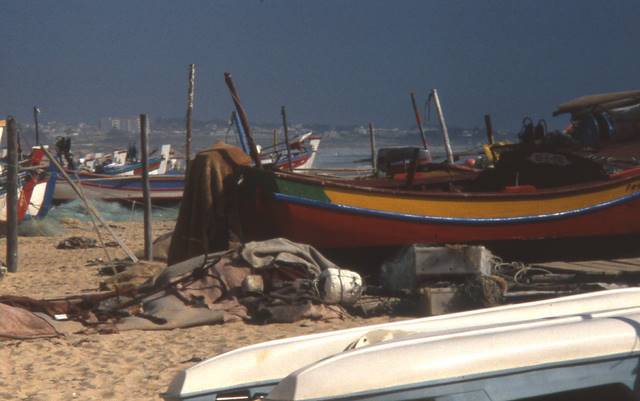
(259, 367)
(514, 362)
(37, 199)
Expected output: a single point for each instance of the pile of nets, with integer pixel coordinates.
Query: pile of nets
(75, 210)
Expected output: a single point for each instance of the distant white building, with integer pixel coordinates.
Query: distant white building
(127, 124)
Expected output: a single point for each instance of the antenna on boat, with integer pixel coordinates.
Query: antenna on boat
(443, 124)
(243, 119)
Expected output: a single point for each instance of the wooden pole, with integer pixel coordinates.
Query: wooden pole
(416, 111)
(443, 125)
(487, 123)
(90, 208)
(253, 149)
(283, 111)
(275, 138)
(12, 195)
(36, 112)
(192, 79)
(372, 142)
(146, 190)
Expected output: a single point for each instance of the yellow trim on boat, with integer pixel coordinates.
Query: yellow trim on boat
(479, 207)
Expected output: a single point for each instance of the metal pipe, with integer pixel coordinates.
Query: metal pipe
(286, 136)
(12, 195)
(443, 125)
(146, 189)
(243, 119)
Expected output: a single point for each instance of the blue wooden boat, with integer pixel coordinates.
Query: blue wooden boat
(166, 187)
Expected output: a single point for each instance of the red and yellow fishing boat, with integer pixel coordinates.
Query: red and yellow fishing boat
(552, 185)
(333, 213)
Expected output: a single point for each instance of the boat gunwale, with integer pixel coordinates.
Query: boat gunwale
(568, 190)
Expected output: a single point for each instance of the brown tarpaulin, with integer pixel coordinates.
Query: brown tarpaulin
(18, 323)
(207, 212)
(206, 289)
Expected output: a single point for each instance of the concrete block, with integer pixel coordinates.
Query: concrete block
(418, 263)
(438, 301)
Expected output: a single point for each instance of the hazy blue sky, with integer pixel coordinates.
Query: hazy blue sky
(329, 61)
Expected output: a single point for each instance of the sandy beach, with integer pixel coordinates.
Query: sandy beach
(132, 365)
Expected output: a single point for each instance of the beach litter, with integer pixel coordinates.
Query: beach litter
(209, 289)
(82, 243)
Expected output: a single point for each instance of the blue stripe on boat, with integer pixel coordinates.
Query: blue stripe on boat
(454, 220)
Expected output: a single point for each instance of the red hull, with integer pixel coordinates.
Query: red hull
(329, 228)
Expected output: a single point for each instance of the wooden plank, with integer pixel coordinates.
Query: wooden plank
(615, 266)
(605, 265)
(572, 266)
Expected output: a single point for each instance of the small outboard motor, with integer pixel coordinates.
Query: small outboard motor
(397, 159)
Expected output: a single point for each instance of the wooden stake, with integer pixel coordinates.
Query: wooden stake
(146, 190)
(87, 204)
(192, 79)
(286, 136)
(253, 149)
(372, 142)
(443, 125)
(12, 195)
(419, 122)
(487, 123)
(275, 138)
